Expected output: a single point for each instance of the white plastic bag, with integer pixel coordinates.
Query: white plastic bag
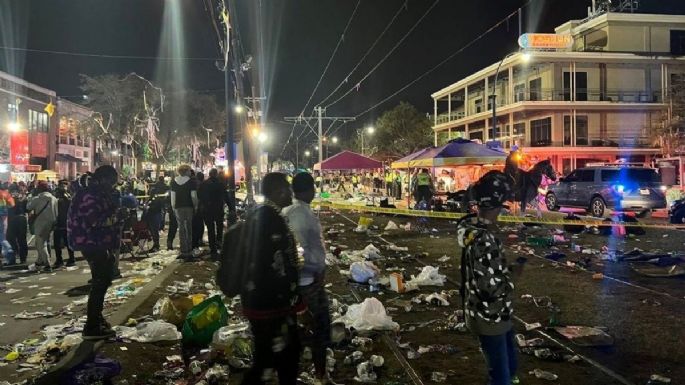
(149, 332)
(429, 276)
(362, 272)
(371, 252)
(368, 315)
(391, 226)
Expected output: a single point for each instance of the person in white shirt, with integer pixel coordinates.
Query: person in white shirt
(306, 228)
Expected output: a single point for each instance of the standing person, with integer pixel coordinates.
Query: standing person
(59, 235)
(94, 225)
(198, 220)
(6, 204)
(306, 228)
(44, 206)
(389, 187)
(487, 290)
(212, 193)
(184, 203)
(269, 296)
(424, 187)
(397, 182)
(17, 224)
(155, 211)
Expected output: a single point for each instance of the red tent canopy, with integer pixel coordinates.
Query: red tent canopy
(348, 160)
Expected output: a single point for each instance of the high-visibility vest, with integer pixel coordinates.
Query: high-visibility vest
(423, 179)
(388, 178)
(354, 179)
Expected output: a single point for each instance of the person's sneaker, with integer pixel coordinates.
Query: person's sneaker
(71, 263)
(117, 275)
(154, 249)
(99, 332)
(170, 247)
(47, 269)
(58, 265)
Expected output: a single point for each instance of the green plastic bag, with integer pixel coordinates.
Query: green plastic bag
(203, 320)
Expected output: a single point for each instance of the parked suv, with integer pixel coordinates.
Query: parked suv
(617, 187)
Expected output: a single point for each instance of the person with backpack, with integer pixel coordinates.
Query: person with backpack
(487, 287)
(184, 203)
(259, 262)
(306, 228)
(44, 207)
(212, 194)
(59, 235)
(94, 223)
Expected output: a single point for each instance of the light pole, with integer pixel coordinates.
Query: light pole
(369, 130)
(525, 58)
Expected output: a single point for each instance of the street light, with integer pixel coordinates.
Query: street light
(239, 109)
(13, 126)
(262, 137)
(307, 153)
(525, 58)
(369, 130)
(334, 139)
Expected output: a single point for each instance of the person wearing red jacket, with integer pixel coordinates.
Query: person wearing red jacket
(6, 203)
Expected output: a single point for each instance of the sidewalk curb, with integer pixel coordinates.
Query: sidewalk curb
(88, 348)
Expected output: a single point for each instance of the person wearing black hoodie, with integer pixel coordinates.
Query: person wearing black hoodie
(59, 234)
(212, 194)
(198, 222)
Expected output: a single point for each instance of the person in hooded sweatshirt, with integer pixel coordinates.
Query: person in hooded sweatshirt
(184, 203)
(44, 205)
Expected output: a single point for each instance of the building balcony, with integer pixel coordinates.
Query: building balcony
(594, 142)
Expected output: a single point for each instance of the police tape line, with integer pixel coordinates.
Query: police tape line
(501, 218)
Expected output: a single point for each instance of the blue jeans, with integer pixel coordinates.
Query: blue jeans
(7, 251)
(500, 356)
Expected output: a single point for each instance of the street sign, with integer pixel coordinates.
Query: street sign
(545, 41)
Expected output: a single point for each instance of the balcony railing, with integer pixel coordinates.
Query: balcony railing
(559, 95)
(616, 142)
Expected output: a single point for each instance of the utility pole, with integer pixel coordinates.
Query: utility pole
(229, 152)
(320, 111)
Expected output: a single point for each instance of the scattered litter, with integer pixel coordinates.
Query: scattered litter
(363, 225)
(533, 326)
(437, 299)
(362, 272)
(397, 283)
(203, 320)
(368, 315)
(658, 379)
(544, 375)
(391, 226)
(585, 335)
(365, 373)
(393, 247)
(98, 371)
(598, 276)
(444, 259)
(438, 377)
(149, 332)
(429, 276)
(33, 315)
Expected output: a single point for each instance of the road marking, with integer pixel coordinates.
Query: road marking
(590, 361)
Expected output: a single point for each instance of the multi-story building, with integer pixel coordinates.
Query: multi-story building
(601, 99)
(75, 152)
(27, 121)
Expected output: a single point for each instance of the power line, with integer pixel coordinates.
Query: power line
(340, 40)
(378, 39)
(105, 56)
(356, 86)
(448, 58)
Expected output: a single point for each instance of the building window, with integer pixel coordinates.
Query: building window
(535, 87)
(476, 135)
(581, 131)
(581, 86)
(519, 92)
(519, 129)
(12, 112)
(85, 154)
(479, 105)
(38, 121)
(541, 132)
(677, 42)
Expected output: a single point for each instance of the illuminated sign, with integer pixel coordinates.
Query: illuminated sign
(545, 41)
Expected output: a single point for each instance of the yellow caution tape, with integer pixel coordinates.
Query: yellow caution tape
(501, 218)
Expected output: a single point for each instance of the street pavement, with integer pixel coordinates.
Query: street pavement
(59, 296)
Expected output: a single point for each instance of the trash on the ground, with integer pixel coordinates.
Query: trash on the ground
(393, 247)
(195, 367)
(406, 227)
(437, 299)
(363, 224)
(368, 315)
(656, 271)
(353, 358)
(33, 315)
(533, 326)
(362, 272)
(397, 283)
(98, 371)
(585, 335)
(659, 379)
(391, 226)
(598, 276)
(445, 349)
(544, 375)
(438, 377)
(365, 373)
(377, 361)
(203, 320)
(152, 331)
(429, 276)
(444, 259)
(217, 374)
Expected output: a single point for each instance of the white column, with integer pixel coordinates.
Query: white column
(486, 96)
(510, 96)
(449, 107)
(435, 112)
(435, 138)
(466, 100)
(486, 131)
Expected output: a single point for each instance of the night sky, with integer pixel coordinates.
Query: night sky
(298, 37)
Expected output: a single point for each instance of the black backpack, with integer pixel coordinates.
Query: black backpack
(233, 265)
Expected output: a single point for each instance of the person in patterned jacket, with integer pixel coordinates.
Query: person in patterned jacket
(94, 225)
(487, 287)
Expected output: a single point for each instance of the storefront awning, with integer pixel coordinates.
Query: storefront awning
(67, 158)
